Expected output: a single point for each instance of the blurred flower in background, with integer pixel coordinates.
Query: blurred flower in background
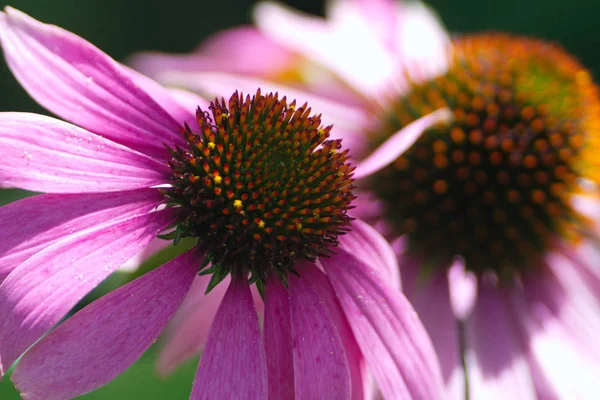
(480, 154)
(258, 185)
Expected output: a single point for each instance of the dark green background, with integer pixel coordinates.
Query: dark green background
(121, 27)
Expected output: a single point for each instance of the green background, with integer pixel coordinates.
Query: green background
(121, 27)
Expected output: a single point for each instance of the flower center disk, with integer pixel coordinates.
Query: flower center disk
(495, 185)
(260, 185)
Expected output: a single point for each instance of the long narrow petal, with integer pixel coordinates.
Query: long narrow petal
(399, 142)
(99, 342)
(182, 112)
(233, 365)
(497, 370)
(392, 339)
(240, 49)
(41, 291)
(278, 339)
(430, 296)
(44, 154)
(81, 84)
(356, 362)
(320, 362)
(365, 242)
(186, 333)
(347, 45)
(39, 221)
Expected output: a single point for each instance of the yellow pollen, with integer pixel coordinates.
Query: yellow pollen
(298, 226)
(237, 204)
(332, 151)
(320, 132)
(211, 145)
(261, 224)
(217, 179)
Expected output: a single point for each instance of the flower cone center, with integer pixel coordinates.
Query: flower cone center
(495, 185)
(260, 185)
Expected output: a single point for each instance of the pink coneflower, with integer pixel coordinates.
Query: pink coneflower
(255, 181)
(495, 211)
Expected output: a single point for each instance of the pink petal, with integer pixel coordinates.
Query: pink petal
(423, 45)
(278, 339)
(182, 112)
(187, 332)
(346, 44)
(430, 297)
(37, 294)
(496, 357)
(562, 369)
(366, 243)
(155, 246)
(320, 361)
(399, 143)
(44, 154)
(381, 15)
(345, 117)
(233, 365)
(561, 292)
(30, 230)
(241, 49)
(360, 378)
(99, 342)
(463, 289)
(81, 84)
(392, 339)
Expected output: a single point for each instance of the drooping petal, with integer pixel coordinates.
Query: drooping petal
(99, 342)
(278, 340)
(347, 45)
(561, 368)
(44, 154)
(365, 242)
(430, 296)
(585, 258)
(186, 334)
(359, 375)
(562, 295)
(233, 365)
(81, 84)
(30, 230)
(399, 142)
(392, 339)
(499, 370)
(38, 293)
(463, 289)
(320, 362)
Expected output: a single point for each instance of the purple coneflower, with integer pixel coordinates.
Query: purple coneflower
(495, 210)
(255, 181)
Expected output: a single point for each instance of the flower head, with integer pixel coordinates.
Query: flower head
(255, 181)
(481, 154)
(261, 185)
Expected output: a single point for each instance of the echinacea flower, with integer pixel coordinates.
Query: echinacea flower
(482, 154)
(258, 184)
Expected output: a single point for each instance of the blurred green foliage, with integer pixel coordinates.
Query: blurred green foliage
(123, 27)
